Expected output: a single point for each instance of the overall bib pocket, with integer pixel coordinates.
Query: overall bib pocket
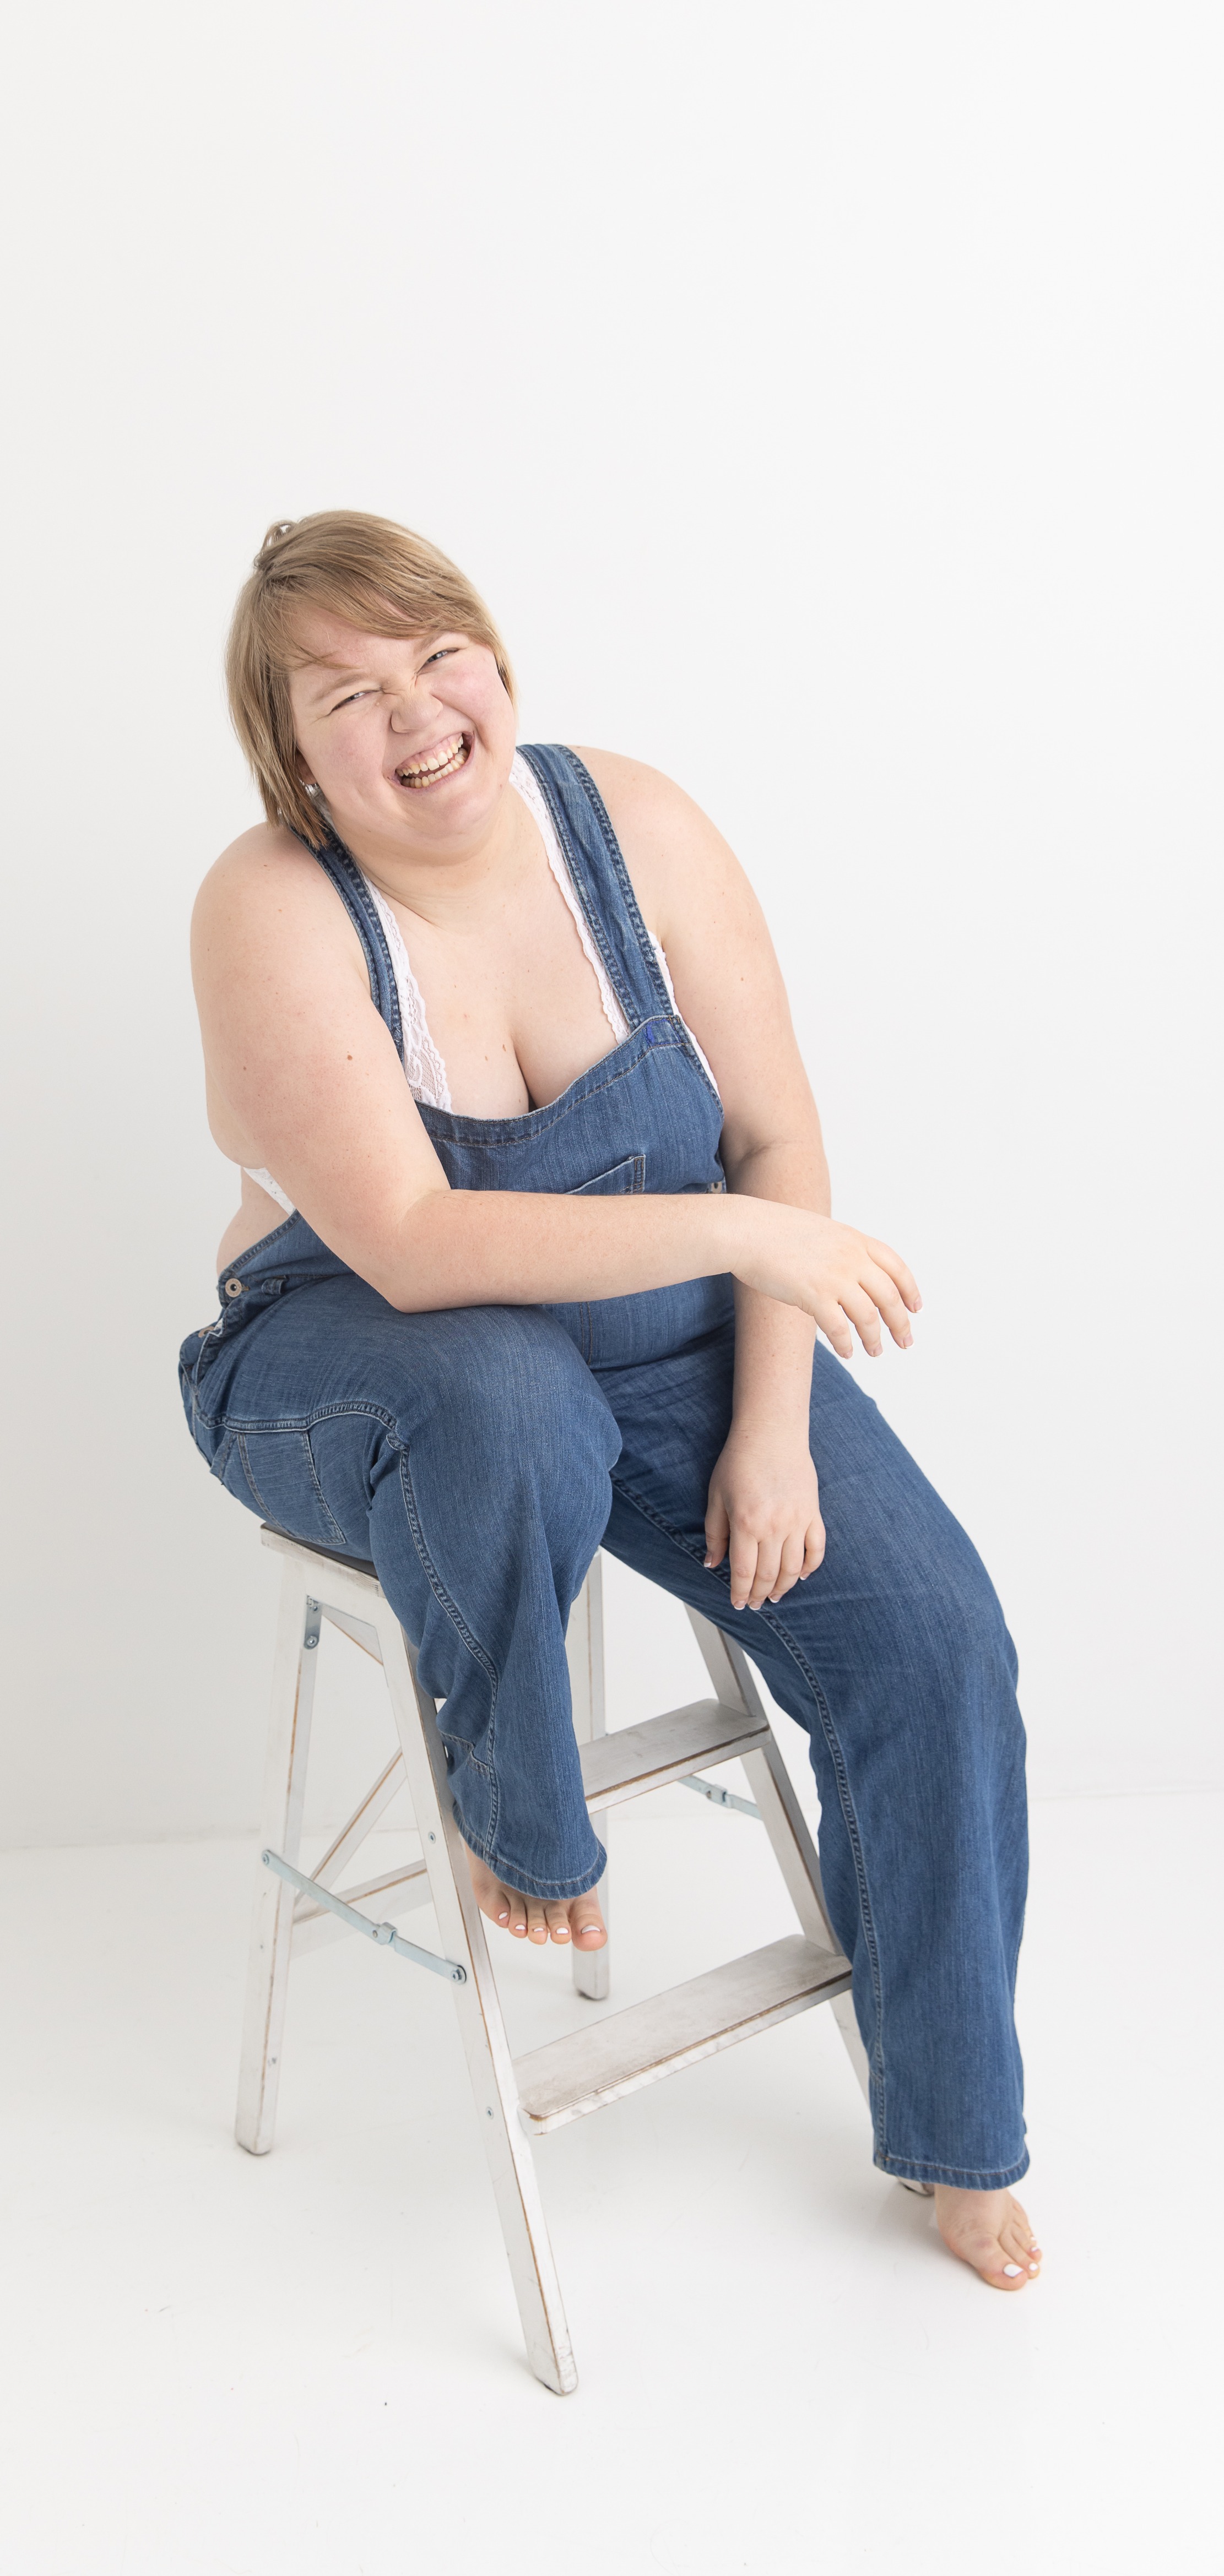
(625, 1180)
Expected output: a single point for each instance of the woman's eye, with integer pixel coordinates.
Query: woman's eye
(351, 700)
(443, 654)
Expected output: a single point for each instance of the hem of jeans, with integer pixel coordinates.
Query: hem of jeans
(955, 2177)
(547, 1891)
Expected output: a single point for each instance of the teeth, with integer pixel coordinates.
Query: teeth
(449, 757)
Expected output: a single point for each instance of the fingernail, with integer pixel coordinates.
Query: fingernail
(707, 1560)
(1011, 2271)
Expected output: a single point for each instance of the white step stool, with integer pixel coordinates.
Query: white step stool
(518, 2099)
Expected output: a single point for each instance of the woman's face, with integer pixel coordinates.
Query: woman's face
(409, 738)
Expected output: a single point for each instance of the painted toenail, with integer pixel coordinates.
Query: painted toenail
(1011, 2271)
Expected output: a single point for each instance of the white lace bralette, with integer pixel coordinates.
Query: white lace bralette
(423, 1065)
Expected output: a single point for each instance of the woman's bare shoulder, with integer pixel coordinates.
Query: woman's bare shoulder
(258, 874)
(672, 850)
(632, 787)
(268, 849)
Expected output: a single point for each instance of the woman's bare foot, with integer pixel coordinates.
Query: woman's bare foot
(989, 2231)
(532, 1918)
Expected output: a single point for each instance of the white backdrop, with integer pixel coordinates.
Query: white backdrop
(827, 400)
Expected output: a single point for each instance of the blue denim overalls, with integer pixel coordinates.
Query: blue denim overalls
(479, 1455)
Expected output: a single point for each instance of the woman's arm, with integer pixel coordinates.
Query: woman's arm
(305, 1081)
(763, 1507)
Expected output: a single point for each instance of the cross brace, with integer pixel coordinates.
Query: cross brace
(384, 1933)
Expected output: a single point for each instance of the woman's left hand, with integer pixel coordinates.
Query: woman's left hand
(764, 1507)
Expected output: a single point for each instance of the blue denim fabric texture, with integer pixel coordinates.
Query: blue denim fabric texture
(479, 1456)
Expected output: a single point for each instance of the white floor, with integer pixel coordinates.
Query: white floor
(310, 2365)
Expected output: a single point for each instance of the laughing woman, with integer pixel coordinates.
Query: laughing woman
(533, 1250)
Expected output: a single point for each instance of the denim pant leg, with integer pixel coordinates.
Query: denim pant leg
(895, 1659)
(467, 1454)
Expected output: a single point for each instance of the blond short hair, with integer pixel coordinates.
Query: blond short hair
(378, 576)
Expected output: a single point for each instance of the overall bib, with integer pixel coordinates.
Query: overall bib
(479, 1455)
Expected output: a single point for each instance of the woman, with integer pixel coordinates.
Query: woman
(560, 1287)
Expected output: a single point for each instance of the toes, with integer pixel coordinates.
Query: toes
(484, 1885)
(1017, 2241)
(994, 2265)
(494, 1900)
(990, 2232)
(1012, 2270)
(1015, 2246)
(1027, 2238)
(1013, 2264)
(532, 1918)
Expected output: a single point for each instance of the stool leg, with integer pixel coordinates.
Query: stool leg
(584, 1648)
(490, 2066)
(293, 1677)
(783, 1819)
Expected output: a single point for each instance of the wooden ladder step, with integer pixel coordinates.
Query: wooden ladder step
(644, 1757)
(616, 2056)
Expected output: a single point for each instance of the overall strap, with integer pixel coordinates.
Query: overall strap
(355, 896)
(601, 880)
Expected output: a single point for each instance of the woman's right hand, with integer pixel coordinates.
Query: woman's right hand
(835, 1274)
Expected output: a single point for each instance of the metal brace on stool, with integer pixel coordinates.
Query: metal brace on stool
(384, 1934)
(720, 1797)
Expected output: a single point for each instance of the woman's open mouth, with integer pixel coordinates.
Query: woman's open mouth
(433, 766)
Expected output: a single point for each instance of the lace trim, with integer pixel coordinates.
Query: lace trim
(422, 1062)
(698, 1049)
(524, 778)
